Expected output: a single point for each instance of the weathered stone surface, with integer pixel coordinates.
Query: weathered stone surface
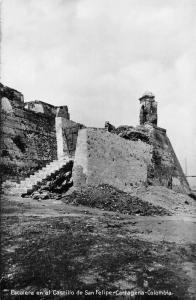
(48, 109)
(28, 142)
(148, 110)
(127, 159)
(62, 111)
(166, 167)
(6, 106)
(29, 135)
(36, 133)
(14, 96)
(67, 134)
(103, 157)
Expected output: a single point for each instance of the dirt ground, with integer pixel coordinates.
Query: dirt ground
(55, 250)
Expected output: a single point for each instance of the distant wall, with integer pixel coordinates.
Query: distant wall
(48, 109)
(102, 157)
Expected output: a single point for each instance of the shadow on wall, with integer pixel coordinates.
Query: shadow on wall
(20, 143)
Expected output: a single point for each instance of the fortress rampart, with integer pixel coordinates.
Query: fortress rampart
(29, 135)
(36, 133)
(104, 157)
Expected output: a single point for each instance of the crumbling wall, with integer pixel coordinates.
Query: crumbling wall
(12, 95)
(148, 113)
(33, 134)
(70, 134)
(41, 107)
(127, 158)
(166, 169)
(67, 134)
(28, 139)
(103, 157)
(48, 109)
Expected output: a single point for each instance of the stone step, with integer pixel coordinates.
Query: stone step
(39, 177)
(48, 169)
(42, 174)
(36, 178)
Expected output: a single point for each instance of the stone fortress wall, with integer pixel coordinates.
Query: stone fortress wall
(110, 159)
(129, 157)
(28, 134)
(36, 133)
(127, 164)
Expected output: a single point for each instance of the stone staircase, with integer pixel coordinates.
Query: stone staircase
(32, 181)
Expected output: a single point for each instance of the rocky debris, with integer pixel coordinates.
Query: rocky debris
(111, 199)
(168, 199)
(130, 133)
(54, 185)
(134, 136)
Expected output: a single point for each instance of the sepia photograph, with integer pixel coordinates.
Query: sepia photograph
(98, 149)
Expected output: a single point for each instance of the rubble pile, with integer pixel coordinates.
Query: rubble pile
(134, 135)
(109, 198)
(130, 133)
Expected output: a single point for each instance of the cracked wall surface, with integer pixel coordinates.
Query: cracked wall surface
(33, 134)
(128, 158)
(28, 142)
(36, 133)
(110, 159)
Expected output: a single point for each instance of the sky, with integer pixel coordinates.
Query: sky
(99, 56)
